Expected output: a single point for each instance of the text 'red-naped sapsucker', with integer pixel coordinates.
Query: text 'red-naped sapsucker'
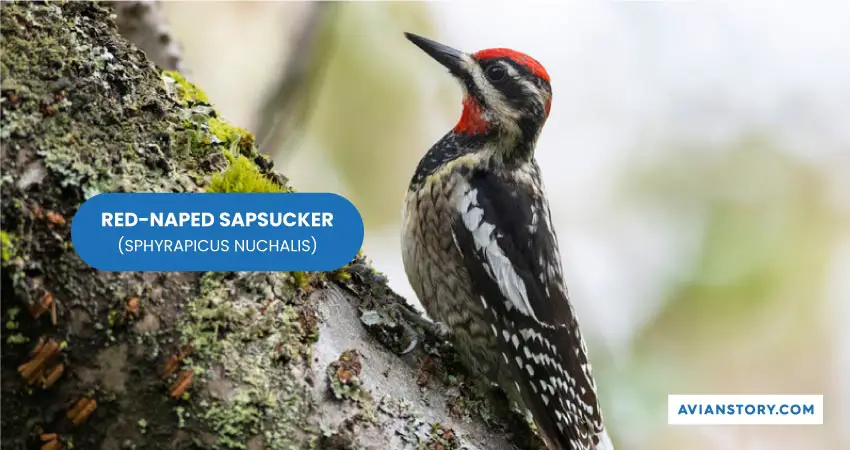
(481, 254)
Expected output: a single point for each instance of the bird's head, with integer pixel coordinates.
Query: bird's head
(505, 91)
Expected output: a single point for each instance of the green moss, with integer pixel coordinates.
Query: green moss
(340, 274)
(17, 338)
(243, 176)
(187, 92)
(114, 318)
(6, 247)
(231, 135)
(302, 280)
(194, 142)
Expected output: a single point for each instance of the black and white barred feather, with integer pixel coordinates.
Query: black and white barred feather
(503, 231)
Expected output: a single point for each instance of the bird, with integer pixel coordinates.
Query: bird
(481, 254)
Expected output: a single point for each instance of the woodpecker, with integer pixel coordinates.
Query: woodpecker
(481, 254)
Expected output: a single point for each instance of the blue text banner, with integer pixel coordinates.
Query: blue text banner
(190, 232)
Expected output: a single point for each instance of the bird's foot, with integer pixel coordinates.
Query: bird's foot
(426, 328)
(400, 328)
(438, 330)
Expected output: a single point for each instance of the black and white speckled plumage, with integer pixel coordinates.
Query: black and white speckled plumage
(482, 256)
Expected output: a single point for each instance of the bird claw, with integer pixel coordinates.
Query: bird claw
(414, 342)
(438, 330)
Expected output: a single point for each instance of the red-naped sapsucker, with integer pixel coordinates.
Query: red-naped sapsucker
(480, 251)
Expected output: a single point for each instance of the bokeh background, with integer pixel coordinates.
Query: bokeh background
(697, 160)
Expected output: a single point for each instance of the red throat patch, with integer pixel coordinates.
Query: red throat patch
(520, 58)
(472, 119)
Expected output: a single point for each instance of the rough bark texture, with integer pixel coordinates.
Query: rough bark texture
(98, 360)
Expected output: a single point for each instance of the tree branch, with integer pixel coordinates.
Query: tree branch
(286, 109)
(182, 360)
(144, 24)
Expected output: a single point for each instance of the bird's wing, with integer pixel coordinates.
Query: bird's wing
(510, 250)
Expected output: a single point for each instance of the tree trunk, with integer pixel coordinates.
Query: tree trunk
(97, 360)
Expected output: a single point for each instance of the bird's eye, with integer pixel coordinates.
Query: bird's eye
(496, 73)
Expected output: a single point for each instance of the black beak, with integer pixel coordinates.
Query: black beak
(450, 58)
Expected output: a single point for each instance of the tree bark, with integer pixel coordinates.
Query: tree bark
(98, 360)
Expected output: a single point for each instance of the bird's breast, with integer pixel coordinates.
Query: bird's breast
(438, 276)
(431, 259)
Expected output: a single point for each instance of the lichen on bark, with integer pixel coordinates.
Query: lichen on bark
(179, 360)
(214, 359)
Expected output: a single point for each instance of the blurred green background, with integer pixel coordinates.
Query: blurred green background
(697, 161)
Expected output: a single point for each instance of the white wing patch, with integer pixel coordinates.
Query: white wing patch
(536, 355)
(497, 264)
(532, 227)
